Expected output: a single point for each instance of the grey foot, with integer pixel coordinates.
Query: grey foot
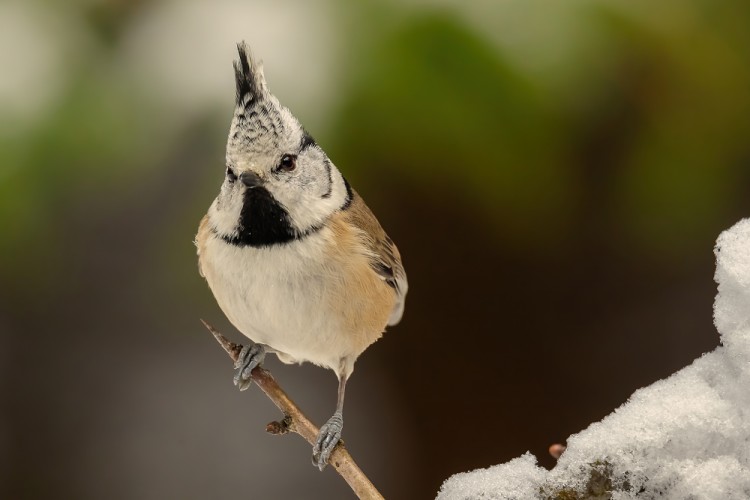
(328, 438)
(250, 357)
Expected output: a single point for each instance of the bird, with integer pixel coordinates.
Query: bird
(294, 257)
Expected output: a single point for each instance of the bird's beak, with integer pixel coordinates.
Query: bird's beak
(251, 179)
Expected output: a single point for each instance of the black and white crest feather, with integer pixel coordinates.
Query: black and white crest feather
(260, 121)
(248, 77)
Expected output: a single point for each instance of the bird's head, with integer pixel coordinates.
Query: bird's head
(279, 185)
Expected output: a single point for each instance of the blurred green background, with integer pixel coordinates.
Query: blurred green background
(554, 173)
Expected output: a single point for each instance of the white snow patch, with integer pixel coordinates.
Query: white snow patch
(687, 436)
(521, 477)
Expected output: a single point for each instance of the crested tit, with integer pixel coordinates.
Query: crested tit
(294, 257)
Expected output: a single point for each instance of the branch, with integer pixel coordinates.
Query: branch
(295, 421)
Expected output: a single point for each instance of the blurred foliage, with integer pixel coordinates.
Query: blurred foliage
(438, 104)
(647, 114)
(643, 117)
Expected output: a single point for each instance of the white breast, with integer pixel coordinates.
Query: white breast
(277, 296)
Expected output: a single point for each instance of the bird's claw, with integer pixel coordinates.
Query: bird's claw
(250, 357)
(328, 438)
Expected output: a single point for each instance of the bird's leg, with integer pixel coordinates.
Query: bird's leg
(330, 433)
(250, 357)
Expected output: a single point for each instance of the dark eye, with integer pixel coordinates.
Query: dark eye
(231, 176)
(288, 163)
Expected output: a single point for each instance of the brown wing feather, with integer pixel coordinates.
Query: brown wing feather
(385, 257)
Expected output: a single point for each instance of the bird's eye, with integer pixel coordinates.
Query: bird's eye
(231, 176)
(288, 163)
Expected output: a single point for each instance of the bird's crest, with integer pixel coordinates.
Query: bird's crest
(249, 78)
(260, 124)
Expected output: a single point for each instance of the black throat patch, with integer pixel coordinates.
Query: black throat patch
(264, 222)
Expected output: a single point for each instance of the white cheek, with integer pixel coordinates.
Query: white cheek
(307, 207)
(224, 212)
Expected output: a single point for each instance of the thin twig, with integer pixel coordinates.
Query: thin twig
(296, 421)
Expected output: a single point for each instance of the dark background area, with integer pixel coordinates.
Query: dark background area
(555, 177)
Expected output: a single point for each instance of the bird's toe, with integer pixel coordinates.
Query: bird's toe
(251, 356)
(328, 438)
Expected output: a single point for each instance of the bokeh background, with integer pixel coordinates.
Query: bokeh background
(554, 173)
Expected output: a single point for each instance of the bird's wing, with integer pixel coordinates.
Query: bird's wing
(384, 256)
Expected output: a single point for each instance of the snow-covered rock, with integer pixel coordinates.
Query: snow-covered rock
(687, 436)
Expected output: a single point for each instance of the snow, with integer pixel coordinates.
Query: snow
(687, 436)
(521, 476)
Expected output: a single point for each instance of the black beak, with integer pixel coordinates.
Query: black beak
(251, 179)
